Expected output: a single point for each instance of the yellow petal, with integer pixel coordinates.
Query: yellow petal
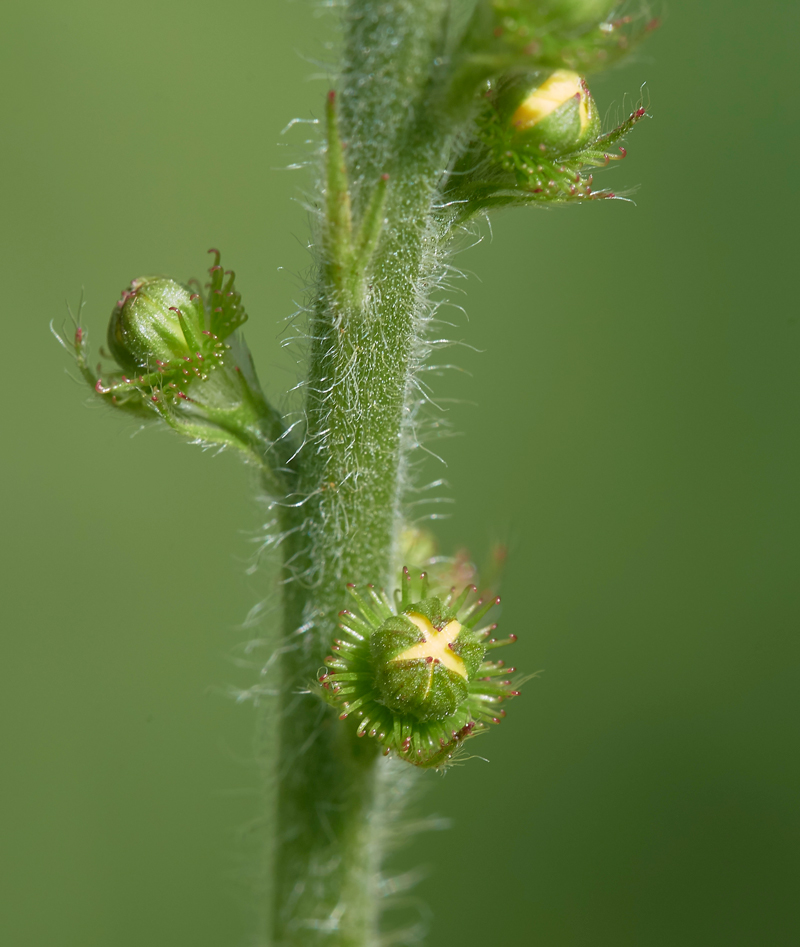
(436, 644)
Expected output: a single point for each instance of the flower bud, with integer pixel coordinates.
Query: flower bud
(179, 358)
(555, 116)
(416, 674)
(156, 325)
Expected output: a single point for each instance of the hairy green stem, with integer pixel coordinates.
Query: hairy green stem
(346, 518)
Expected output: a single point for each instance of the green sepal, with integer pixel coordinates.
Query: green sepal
(427, 692)
(434, 609)
(394, 636)
(470, 650)
(226, 312)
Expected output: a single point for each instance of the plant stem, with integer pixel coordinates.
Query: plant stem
(345, 524)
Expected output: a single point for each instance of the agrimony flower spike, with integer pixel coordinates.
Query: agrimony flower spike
(415, 672)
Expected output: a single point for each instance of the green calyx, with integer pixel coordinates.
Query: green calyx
(416, 673)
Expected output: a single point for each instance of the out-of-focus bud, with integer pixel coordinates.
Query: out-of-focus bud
(555, 116)
(156, 325)
(580, 12)
(417, 545)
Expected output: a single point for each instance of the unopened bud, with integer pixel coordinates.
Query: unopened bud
(556, 116)
(155, 325)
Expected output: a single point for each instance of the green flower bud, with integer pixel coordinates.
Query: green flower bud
(556, 116)
(178, 358)
(156, 325)
(416, 673)
(536, 140)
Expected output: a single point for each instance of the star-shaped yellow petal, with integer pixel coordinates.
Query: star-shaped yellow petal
(436, 645)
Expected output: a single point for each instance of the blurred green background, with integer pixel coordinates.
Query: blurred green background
(633, 437)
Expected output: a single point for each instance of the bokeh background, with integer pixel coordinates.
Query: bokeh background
(630, 429)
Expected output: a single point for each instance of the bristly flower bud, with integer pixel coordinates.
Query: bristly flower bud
(176, 359)
(156, 324)
(537, 136)
(166, 335)
(416, 673)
